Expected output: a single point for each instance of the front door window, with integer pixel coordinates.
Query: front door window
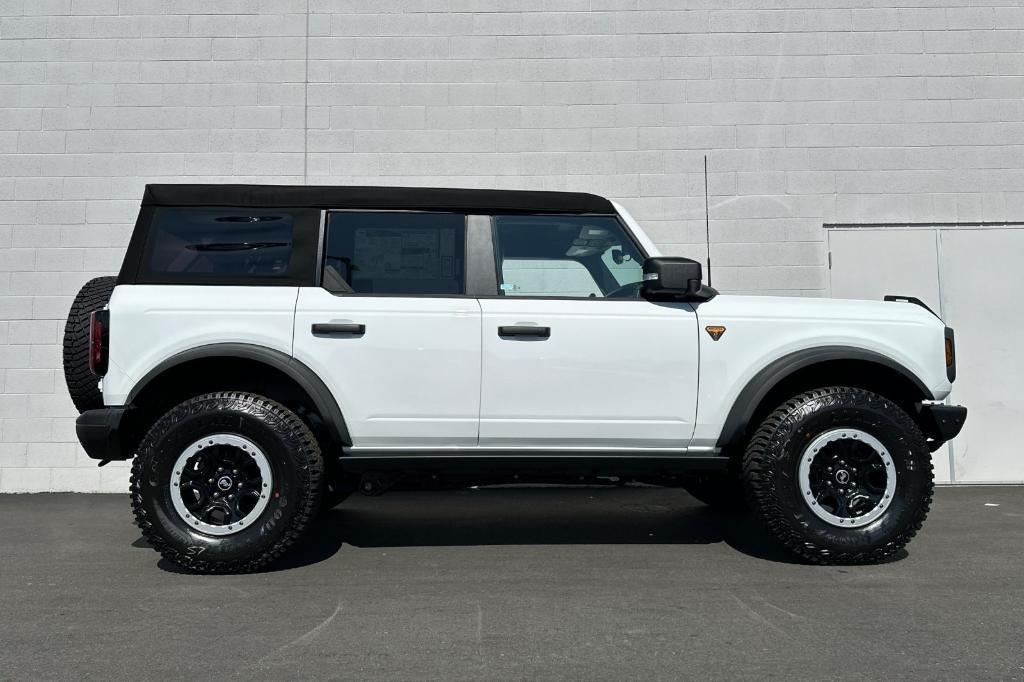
(567, 257)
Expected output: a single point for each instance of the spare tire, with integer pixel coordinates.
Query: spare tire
(82, 383)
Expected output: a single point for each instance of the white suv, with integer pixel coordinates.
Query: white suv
(265, 350)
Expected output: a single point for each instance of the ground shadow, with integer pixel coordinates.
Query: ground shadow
(532, 516)
(528, 516)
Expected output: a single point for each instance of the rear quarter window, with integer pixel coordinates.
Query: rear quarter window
(231, 246)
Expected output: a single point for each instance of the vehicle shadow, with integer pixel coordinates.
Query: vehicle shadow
(530, 516)
(527, 516)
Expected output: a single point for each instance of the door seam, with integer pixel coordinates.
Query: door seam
(480, 383)
(295, 316)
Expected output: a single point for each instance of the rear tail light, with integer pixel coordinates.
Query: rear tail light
(99, 341)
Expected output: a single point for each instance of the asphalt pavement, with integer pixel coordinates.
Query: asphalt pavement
(549, 583)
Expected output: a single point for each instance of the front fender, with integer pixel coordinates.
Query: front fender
(766, 338)
(769, 377)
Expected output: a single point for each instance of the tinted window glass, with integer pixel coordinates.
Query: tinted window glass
(395, 253)
(574, 256)
(227, 243)
(541, 277)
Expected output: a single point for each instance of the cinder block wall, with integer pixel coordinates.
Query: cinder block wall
(810, 111)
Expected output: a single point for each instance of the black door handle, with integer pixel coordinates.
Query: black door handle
(525, 330)
(338, 329)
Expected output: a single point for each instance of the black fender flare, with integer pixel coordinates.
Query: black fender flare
(307, 379)
(776, 371)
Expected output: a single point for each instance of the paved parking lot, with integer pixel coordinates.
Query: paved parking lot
(539, 583)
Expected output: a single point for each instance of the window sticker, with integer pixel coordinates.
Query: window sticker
(404, 253)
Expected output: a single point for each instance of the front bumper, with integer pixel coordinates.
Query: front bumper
(940, 423)
(100, 433)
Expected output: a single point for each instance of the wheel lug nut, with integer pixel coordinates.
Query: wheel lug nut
(234, 471)
(211, 480)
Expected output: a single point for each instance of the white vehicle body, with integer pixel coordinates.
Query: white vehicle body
(430, 373)
(266, 351)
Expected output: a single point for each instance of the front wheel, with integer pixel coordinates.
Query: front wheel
(840, 475)
(226, 482)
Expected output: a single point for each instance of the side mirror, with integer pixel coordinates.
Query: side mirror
(674, 279)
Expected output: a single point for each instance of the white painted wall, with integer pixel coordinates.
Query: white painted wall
(810, 111)
(971, 276)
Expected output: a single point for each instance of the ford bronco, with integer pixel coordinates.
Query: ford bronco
(267, 350)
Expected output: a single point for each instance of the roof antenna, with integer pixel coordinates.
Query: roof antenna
(707, 217)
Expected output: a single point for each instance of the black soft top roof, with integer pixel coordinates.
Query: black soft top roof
(395, 198)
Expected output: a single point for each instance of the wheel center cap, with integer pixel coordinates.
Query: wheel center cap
(843, 476)
(225, 483)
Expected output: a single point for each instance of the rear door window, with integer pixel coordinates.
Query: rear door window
(411, 254)
(229, 246)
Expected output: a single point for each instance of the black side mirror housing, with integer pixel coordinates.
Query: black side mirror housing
(671, 278)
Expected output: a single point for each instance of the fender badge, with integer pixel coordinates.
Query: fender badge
(714, 331)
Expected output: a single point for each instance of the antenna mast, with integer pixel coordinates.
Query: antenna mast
(707, 217)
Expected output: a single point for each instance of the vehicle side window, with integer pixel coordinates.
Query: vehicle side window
(220, 245)
(395, 253)
(541, 277)
(566, 256)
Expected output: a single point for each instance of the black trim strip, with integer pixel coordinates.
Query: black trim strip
(770, 376)
(306, 378)
(610, 463)
(391, 198)
(481, 277)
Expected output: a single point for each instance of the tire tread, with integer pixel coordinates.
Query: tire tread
(82, 384)
(763, 496)
(285, 420)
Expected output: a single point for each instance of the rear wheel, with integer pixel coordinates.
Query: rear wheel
(840, 475)
(83, 385)
(226, 482)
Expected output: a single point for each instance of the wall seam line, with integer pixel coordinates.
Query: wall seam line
(305, 104)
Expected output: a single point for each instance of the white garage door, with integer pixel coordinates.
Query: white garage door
(974, 279)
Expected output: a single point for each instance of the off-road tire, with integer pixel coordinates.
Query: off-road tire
(771, 461)
(721, 491)
(295, 460)
(83, 385)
